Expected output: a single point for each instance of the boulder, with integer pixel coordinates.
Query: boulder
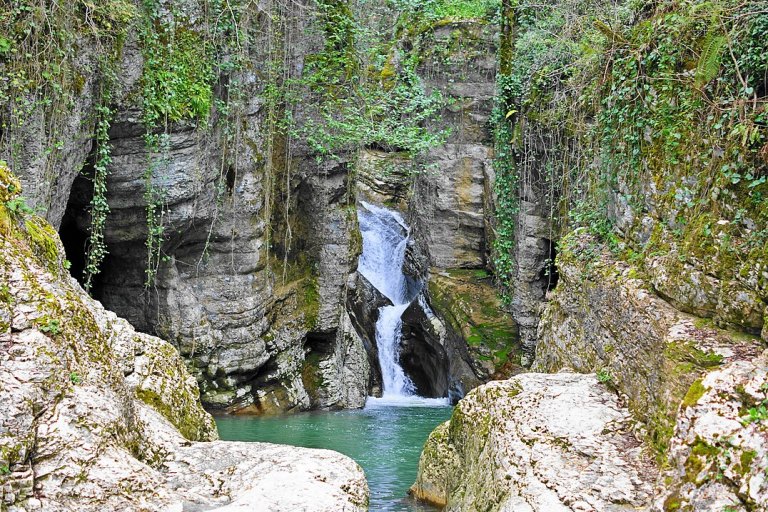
(604, 317)
(718, 457)
(536, 442)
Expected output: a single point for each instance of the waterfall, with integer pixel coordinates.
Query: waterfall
(385, 236)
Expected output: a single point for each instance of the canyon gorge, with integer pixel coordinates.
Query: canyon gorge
(553, 216)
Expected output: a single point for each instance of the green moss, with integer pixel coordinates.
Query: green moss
(672, 503)
(701, 458)
(468, 302)
(43, 238)
(695, 392)
(388, 74)
(184, 418)
(311, 377)
(689, 358)
(309, 302)
(178, 75)
(745, 461)
(661, 428)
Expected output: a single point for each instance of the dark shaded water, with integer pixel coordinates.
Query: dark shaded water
(384, 438)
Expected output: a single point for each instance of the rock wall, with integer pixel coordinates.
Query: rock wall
(603, 317)
(233, 233)
(449, 204)
(231, 229)
(254, 240)
(565, 441)
(97, 416)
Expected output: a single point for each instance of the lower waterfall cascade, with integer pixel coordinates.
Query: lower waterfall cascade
(385, 238)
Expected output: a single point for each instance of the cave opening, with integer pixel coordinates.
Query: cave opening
(548, 273)
(75, 228)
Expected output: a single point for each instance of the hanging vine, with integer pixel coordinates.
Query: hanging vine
(96, 248)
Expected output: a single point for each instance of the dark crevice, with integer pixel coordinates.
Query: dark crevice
(76, 222)
(549, 274)
(230, 177)
(321, 343)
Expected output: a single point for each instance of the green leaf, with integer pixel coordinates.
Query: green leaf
(709, 60)
(5, 45)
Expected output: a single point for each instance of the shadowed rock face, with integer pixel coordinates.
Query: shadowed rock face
(258, 239)
(363, 303)
(256, 249)
(422, 354)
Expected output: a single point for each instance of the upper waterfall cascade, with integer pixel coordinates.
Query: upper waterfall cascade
(385, 237)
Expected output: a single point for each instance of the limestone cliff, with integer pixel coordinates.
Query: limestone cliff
(566, 442)
(202, 160)
(223, 234)
(629, 236)
(96, 416)
(536, 443)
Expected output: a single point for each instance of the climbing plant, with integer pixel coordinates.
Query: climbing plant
(177, 86)
(96, 249)
(49, 51)
(645, 126)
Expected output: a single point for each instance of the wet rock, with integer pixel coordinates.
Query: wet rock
(424, 354)
(536, 443)
(363, 303)
(383, 177)
(469, 304)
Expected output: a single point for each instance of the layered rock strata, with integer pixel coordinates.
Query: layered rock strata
(96, 416)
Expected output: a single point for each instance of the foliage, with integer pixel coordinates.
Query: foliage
(350, 108)
(449, 9)
(683, 96)
(51, 326)
(756, 414)
(44, 68)
(75, 378)
(604, 376)
(505, 187)
(97, 249)
(178, 72)
(543, 52)
(759, 412)
(177, 85)
(18, 206)
(670, 95)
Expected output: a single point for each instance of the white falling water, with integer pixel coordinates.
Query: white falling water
(385, 236)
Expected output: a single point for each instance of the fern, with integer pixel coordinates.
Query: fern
(709, 60)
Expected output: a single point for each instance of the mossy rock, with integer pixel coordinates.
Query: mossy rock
(468, 300)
